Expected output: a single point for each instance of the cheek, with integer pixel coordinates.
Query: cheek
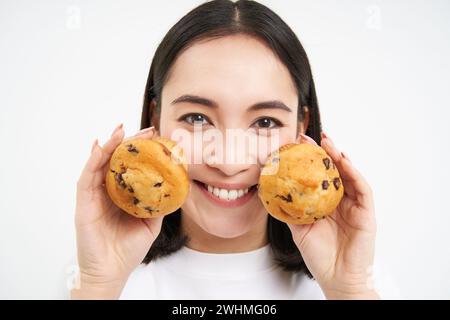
(173, 130)
(277, 139)
(167, 124)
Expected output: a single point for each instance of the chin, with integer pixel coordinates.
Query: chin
(226, 229)
(230, 223)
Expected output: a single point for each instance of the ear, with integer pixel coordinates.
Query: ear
(154, 117)
(303, 125)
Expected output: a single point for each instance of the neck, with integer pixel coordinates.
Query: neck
(200, 240)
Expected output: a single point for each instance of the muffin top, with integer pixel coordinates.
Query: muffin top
(148, 178)
(300, 184)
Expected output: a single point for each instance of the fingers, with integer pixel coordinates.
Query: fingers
(328, 145)
(354, 183)
(154, 225)
(146, 133)
(118, 136)
(305, 139)
(94, 171)
(92, 166)
(111, 145)
(299, 232)
(360, 187)
(352, 179)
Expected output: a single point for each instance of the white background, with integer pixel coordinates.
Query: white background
(70, 71)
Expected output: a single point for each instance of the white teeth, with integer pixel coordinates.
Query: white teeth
(232, 195)
(225, 194)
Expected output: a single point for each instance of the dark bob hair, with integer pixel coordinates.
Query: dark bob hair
(216, 19)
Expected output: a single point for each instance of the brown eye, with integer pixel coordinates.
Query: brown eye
(195, 118)
(267, 123)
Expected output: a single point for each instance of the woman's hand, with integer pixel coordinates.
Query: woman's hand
(339, 250)
(110, 243)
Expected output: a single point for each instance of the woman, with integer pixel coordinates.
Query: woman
(211, 69)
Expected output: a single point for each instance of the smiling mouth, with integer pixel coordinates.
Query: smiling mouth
(226, 194)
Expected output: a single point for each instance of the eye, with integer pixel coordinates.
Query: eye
(267, 123)
(195, 118)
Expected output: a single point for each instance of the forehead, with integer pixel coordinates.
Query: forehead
(232, 67)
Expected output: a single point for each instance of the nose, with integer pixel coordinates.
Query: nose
(230, 169)
(232, 160)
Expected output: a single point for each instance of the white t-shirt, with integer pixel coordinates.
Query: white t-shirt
(190, 274)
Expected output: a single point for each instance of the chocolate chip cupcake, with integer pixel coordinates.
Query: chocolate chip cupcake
(300, 184)
(148, 178)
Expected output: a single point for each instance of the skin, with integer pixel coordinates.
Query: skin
(337, 250)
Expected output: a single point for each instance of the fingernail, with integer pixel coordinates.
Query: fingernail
(120, 126)
(324, 136)
(146, 130)
(344, 156)
(94, 145)
(306, 138)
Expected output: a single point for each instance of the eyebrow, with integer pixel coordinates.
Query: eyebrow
(272, 104)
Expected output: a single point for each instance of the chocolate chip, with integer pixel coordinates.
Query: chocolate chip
(149, 209)
(267, 202)
(119, 180)
(166, 151)
(326, 162)
(130, 188)
(135, 201)
(166, 195)
(132, 149)
(336, 183)
(158, 184)
(287, 198)
(325, 184)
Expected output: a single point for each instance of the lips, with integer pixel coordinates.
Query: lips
(227, 195)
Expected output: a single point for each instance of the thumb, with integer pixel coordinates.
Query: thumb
(299, 232)
(154, 225)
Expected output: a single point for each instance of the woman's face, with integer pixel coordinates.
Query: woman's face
(230, 75)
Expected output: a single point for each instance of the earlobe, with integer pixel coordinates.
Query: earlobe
(305, 119)
(154, 116)
(303, 125)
